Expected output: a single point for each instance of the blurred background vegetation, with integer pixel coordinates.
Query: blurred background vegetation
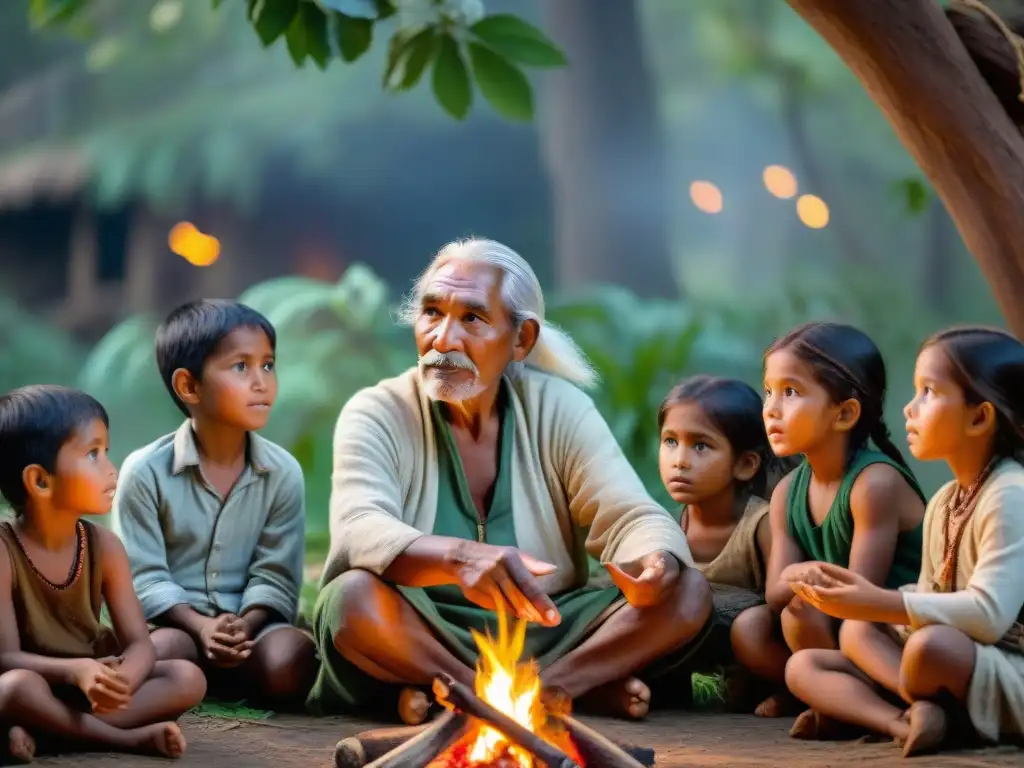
(159, 153)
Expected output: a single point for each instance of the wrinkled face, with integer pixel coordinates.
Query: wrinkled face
(239, 384)
(798, 412)
(464, 335)
(84, 478)
(938, 417)
(696, 460)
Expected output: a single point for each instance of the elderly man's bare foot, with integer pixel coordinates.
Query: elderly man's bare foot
(21, 747)
(161, 739)
(413, 706)
(628, 698)
(927, 729)
(781, 704)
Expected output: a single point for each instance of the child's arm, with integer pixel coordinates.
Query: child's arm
(784, 550)
(138, 654)
(103, 686)
(275, 574)
(763, 538)
(988, 605)
(136, 519)
(879, 493)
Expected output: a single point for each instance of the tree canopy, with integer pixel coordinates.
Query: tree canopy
(464, 49)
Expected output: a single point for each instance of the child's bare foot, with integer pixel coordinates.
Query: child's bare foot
(781, 704)
(21, 747)
(628, 698)
(813, 726)
(413, 706)
(927, 729)
(161, 739)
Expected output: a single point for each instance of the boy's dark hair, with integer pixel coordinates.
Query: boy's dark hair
(191, 333)
(988, 365)
(848, 365)
(735, 409)
(35, 422)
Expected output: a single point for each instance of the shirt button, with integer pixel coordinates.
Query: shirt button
(214, 574)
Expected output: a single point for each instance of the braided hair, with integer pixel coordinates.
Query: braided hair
(849, 366)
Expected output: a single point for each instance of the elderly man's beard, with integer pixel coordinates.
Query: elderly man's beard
(445, 376)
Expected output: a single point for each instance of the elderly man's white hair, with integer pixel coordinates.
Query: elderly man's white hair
(555, 352)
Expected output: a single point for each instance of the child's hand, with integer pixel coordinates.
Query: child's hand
(104, 687)
(225, 641)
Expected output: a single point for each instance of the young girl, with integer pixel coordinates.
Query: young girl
(64, 675)
(845, 504)
(716, 463)
(957, 640)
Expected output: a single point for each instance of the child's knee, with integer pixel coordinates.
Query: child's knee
(188, 680)
(18, 684)
(853, 635)
(750, 631)
(287, 661)
(172, 643)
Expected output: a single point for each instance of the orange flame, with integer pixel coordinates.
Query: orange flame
(513, 688)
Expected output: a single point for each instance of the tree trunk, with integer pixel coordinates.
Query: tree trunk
(605, 153)
(915, 67)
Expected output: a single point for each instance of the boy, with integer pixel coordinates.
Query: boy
(213, 515)
(65, 676)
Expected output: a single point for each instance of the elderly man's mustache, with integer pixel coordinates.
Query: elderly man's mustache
(435, 359)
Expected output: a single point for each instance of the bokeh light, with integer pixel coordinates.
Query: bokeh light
(706, 196)
(780, 182)
(196, 248)
(813, 211)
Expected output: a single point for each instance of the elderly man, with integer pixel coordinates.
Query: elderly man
(485, 476)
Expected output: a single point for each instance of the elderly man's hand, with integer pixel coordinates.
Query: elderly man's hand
(646, 582)
(493, 577)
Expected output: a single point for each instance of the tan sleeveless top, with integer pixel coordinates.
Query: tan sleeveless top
(60, 620)
(739, 564)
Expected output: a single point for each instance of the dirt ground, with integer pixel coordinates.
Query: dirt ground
(680, 740)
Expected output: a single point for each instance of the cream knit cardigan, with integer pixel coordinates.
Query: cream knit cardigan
(568, 473)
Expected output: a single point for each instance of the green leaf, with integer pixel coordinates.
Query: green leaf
(357, 9)
(217, 4)
(272, 18)
(914, 193)
(307, 36)
(396, 47)
(502, 83)
(418, 53)
(451, 83)
(518, 41)
(43, 13)
(354, 36)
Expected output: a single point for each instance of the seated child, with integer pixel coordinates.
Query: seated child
(716, 462)
(213, 515)
(955, 643)
(845, 504)
(65, 678)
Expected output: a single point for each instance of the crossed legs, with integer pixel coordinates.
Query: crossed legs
(851, 685)
(603, 664)
(30, 709)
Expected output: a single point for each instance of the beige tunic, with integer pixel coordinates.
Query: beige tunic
(573, 491)
(990, 596)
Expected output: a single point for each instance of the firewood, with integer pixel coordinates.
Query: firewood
(448, 691)
(597, 750)
(430, 743)
(356, 751)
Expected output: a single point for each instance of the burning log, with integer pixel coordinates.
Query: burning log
(421, 749)
(596, 750)
(357, 751)
(452, 693)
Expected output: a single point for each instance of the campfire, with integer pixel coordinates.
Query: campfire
(503, 722)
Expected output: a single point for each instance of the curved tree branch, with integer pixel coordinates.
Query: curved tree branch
(913, 64)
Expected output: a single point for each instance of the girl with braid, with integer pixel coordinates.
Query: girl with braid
(912, 660)
(852, 502)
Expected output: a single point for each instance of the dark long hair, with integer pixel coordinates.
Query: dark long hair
(988, 365)
(848, 365)
(735, 410)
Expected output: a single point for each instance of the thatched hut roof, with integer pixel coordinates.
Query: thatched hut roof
(30, 176)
